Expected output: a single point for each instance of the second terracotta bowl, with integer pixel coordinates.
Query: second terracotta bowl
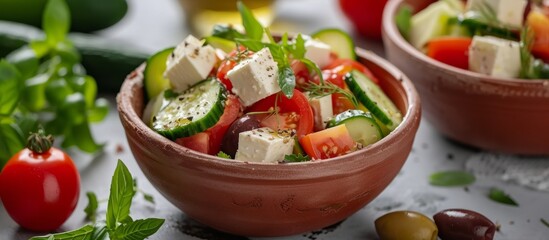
(496, 114)
(264, 199)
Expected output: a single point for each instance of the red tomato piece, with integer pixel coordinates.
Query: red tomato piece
(453, 51)
(539, 23)
(210, 140)
(343, 66)
(328, 143)
(296, 113)
(40, 190)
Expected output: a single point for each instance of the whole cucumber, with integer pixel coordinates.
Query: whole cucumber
(107, 61)
(86, 15)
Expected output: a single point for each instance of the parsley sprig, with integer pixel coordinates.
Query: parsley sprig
(119, 224)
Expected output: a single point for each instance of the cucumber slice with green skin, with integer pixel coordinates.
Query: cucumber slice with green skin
(374, 99)
(340, 42)
(155, 82)
(191, 112)
(365, 129)
(226, 45)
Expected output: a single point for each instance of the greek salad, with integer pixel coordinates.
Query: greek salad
(500, 38)
(253, 98)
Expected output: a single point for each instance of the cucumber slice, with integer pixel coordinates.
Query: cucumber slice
(365, 129)
(340, 42)
(374, 99)
(191, 112)
(155, 82)
(226, 45)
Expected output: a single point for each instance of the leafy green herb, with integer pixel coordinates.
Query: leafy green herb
(10, 87)
(403, 20)
(297, 158)
(91, 208)
(120, 226)
(148, 197)
(500, 196)
(56, 21)
(221, 154)
(544, 222)
(451, 178)
(253, 28)
(327, 88)
(226, 32)
(11, 143)
(286, 81)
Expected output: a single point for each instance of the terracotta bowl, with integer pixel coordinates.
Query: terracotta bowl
(495, 114)
(265, 199)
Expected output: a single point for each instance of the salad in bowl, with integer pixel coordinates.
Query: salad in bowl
(253, 98)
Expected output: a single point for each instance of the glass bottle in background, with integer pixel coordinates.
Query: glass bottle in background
(202, 15)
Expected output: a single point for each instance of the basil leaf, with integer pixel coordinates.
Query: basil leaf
(56, 21)
(403, 20)
(91, 208)
(451, 178)
(73, 109)
(148, 198)
(34, 92)
(83, 233)
(253, 45)
(27, 122)
(120, 198)
(500, 196)
(139, 229)
(299, 47)
(25, 61)
(99, 111)
(11, 85)
(85, 85)
(278, 54)
(312, 66)
(40, 47)
(11, 143)
(286, 81)
(68, 53)
(57, 90)
(223, 155)
(253, 28)
(226, 32)
(297, 158)
(99, 233)
(83, 139)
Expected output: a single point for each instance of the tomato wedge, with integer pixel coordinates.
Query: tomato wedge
(453, 51)
(328, 143)
(344, 66)
(294, 113)
(209, 141)
(539, 23)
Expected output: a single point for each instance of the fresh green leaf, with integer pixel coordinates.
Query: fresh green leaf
(299, 48)
(227, 32)
(286, 81)
(33, 97)
(56, 21)
(66, 50)
(57, 90)
(221, 43)
(297, 158)
(73, 108)
(27, 122)
(403, 20)
(544, 222)
(451, 178)
(84, 139)
(11, 85)
(326, 88)
(148, 197)
(100, 232)
(254, 29)
(223, 155)
(91, 208)
(121, 194)
(139, 229)
(11, 142)
(278, 55)
(98, 112)
(312, 66)
(500, 196)
(83, 233)
(251, 44)
(41, 48)
(25, 60)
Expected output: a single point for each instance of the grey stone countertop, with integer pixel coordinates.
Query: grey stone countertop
(155, 24)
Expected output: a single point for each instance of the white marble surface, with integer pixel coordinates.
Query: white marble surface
(155, 24)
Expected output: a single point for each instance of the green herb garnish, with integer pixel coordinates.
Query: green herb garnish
(327, 88)
(120, 226)
(451, 178)
(500, 196)
(91, 208)
(221, 154)
(297, 158)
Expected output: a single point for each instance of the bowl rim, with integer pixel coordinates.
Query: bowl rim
(409, 125)
(390, 31)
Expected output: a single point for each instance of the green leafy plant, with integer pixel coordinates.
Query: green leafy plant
(451, 178)
(223, 155)
(44, 83)
(297, 158)
(500, 196)
(119, 224)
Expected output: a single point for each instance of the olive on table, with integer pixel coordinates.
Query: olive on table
(405, 225)
(457, 224)
(229, 145)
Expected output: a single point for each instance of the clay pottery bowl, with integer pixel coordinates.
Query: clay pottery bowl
(495, 114)
(264, 200)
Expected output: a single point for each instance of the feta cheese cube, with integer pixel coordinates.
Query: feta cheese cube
(494, 56)
(322, 110)
(508, 12)
(255, 78)
(264, 145)
(318, 52)
(189, 63)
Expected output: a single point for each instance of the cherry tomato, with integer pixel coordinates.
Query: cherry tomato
(210, 140)
(539, 23)
(343, 66)
(302, 74)
(453, 51)
(40, 185)
(328, 143)
(228, 64)
(294, 113)
(365, 15)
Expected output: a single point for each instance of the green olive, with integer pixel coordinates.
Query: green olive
(405, 225)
